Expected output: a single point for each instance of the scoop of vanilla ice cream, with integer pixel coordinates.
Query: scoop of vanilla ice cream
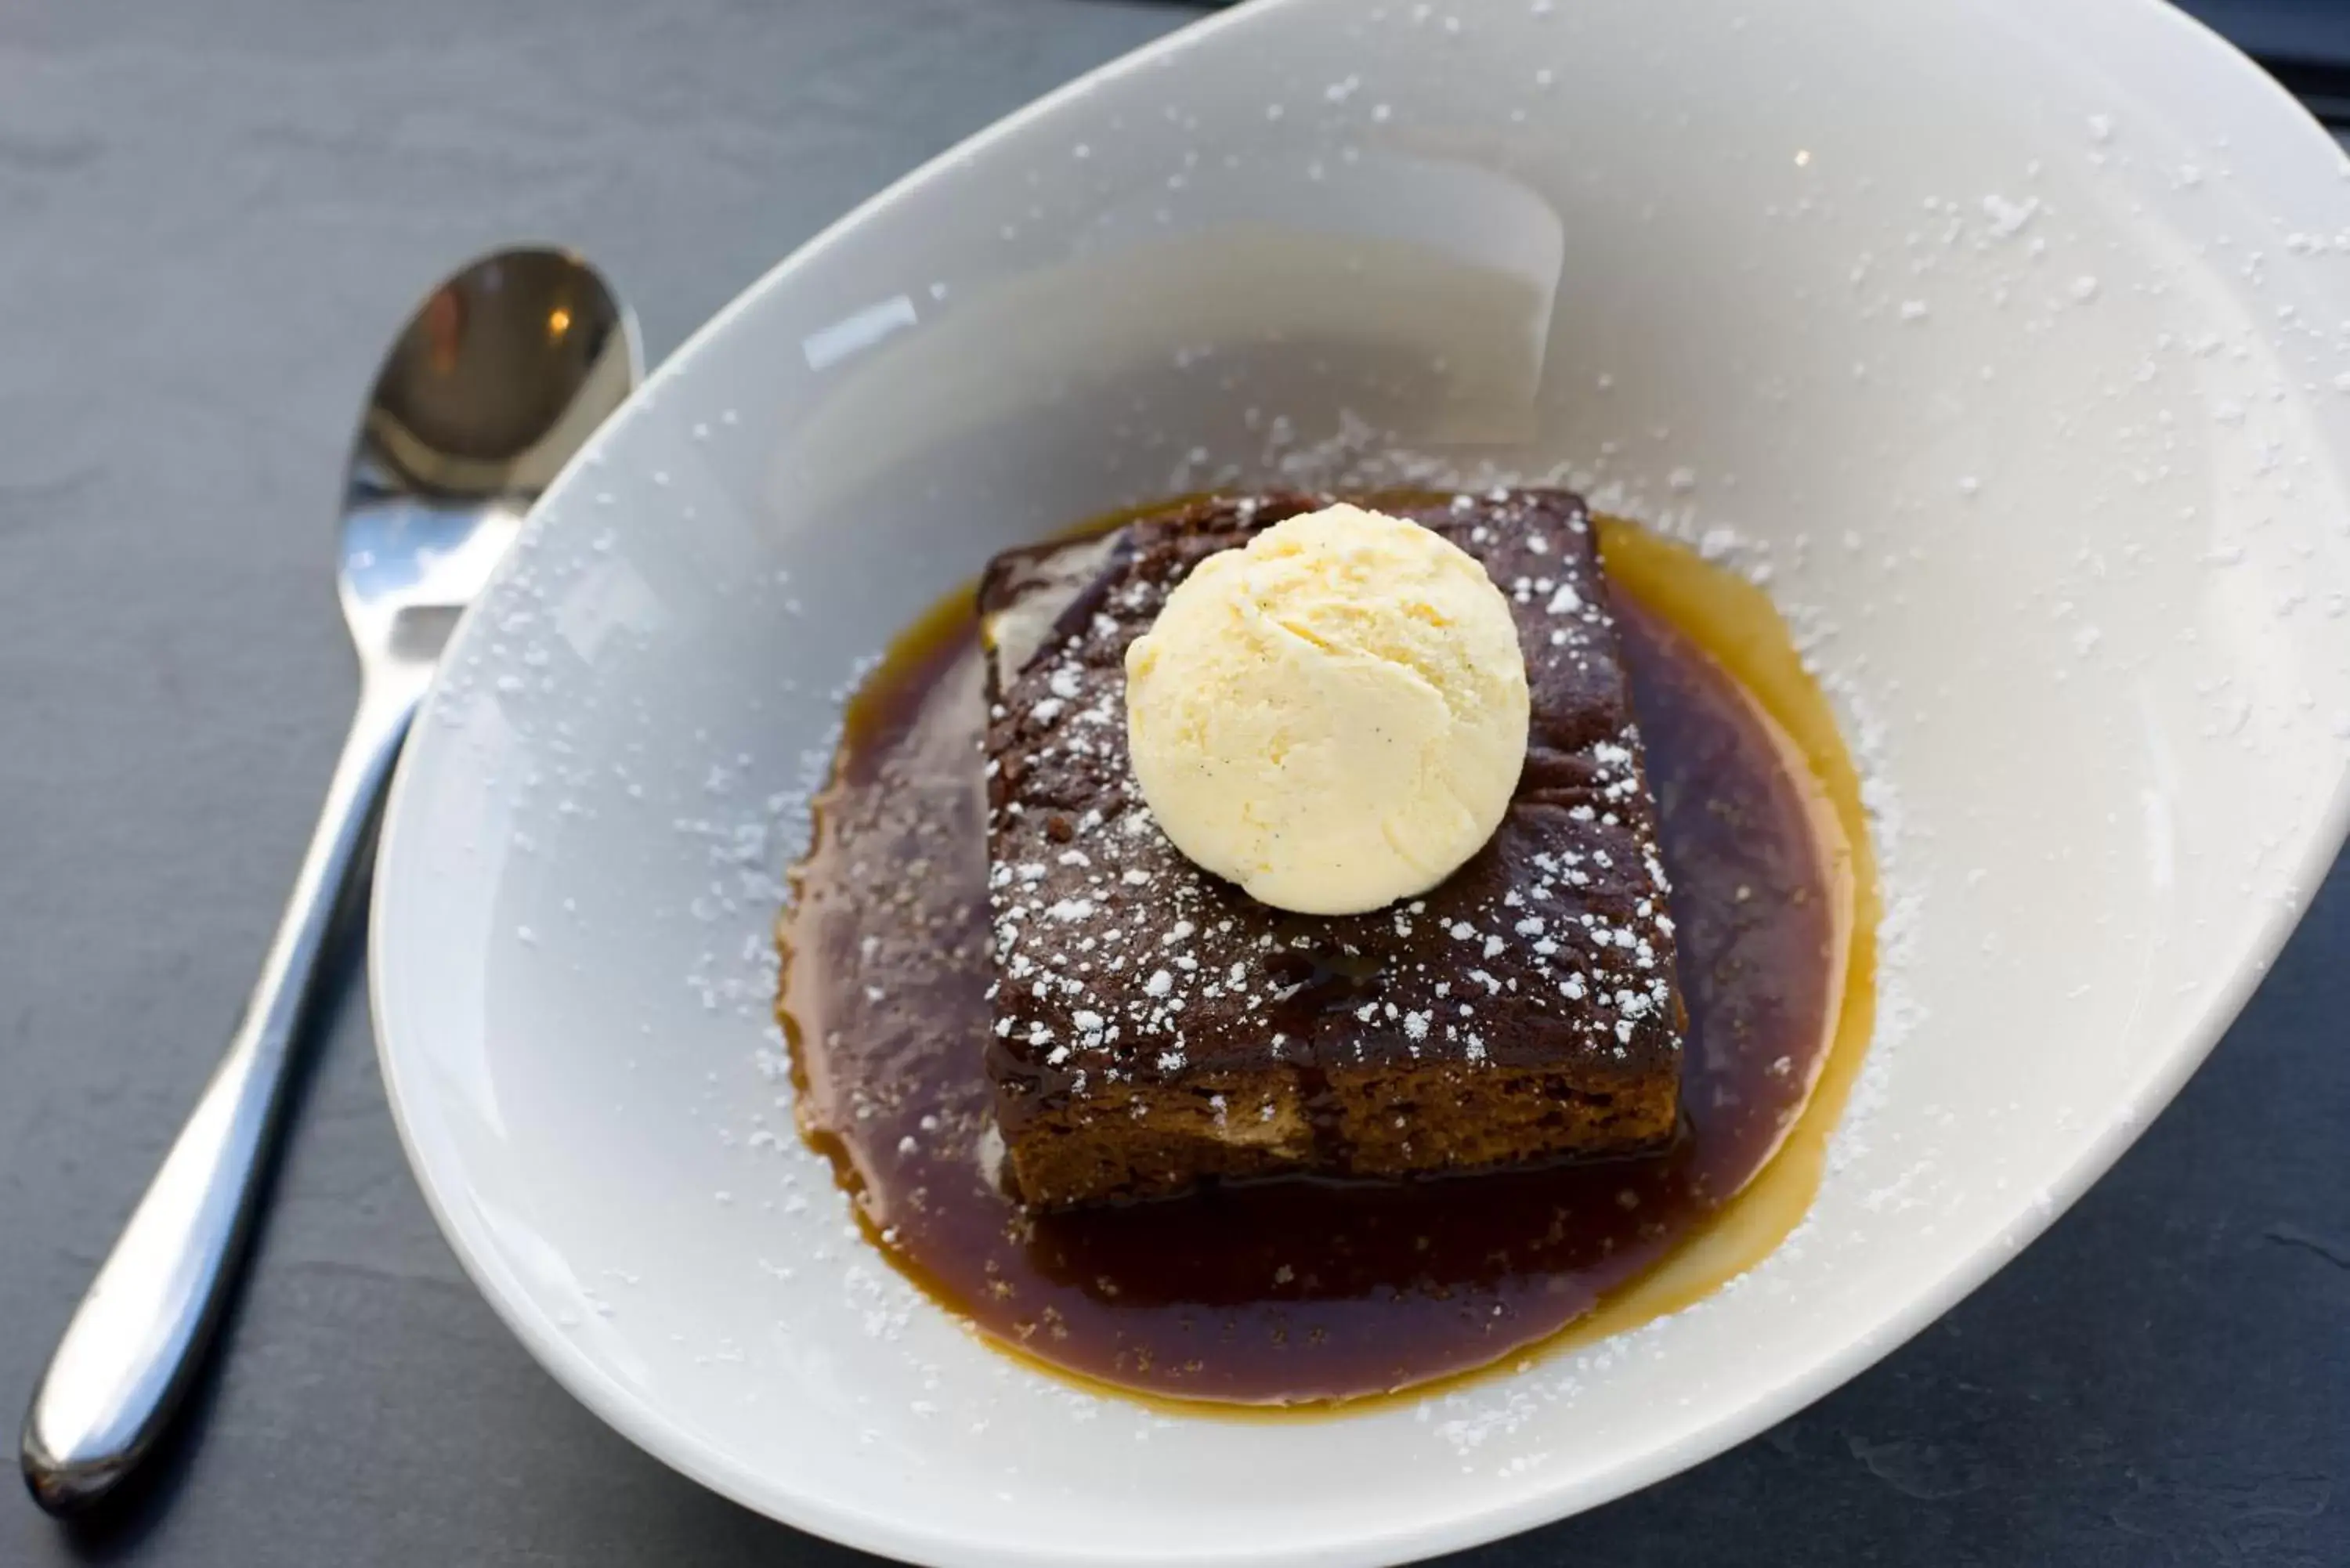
(1333, 717)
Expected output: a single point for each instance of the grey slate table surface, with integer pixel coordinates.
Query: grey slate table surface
(211, 215)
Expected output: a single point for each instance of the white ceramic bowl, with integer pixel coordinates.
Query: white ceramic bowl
(2009, 336)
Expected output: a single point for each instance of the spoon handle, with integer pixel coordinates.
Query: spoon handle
(142, 1327)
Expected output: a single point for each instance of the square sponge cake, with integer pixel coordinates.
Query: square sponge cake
(1155, 1027)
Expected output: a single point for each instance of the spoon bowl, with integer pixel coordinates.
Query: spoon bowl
(500, 374)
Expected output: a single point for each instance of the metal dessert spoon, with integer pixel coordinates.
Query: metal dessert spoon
(500, 377)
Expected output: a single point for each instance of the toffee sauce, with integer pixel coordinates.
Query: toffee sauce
(1306, 1293)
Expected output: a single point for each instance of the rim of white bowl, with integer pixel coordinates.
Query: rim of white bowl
(776, 1497)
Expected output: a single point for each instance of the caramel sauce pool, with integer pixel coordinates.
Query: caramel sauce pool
(1305, 1293)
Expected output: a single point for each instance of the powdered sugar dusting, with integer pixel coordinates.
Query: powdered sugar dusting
(1569, 939)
